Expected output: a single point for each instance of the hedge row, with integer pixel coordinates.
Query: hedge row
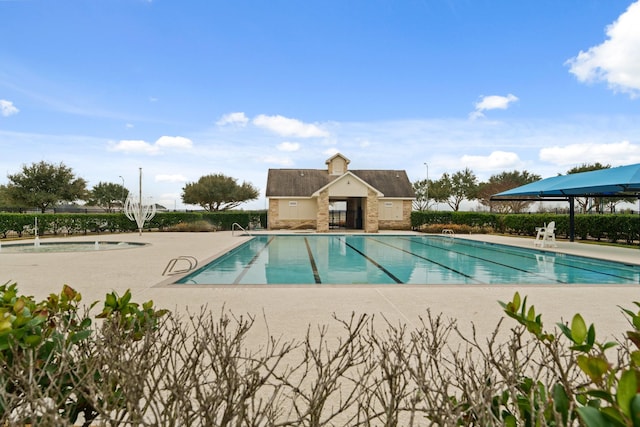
(56, 224)
(614, 228)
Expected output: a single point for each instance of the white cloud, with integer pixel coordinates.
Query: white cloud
(615, 154)
(135, 146)
(288, 146)
(7, 108)
(143, 147)
(617, 60)
(331, 151)
(233, 119)
(281, 161)
(495, 160)
(289, 127)
(169, 200)
(170, 178)
(174, 142)
(492, 102)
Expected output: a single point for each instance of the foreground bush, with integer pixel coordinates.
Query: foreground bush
(140, 366)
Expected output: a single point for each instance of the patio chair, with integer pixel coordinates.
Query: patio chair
(546, 235)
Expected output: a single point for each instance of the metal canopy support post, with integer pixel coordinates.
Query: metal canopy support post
(572, 221)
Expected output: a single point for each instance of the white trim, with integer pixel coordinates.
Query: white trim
(291, 197)
(351, 175)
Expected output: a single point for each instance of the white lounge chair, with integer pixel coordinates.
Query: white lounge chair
(546, 235)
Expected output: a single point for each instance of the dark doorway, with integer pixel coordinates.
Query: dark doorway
(354, 213)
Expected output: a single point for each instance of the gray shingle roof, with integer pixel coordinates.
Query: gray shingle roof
(304, 182)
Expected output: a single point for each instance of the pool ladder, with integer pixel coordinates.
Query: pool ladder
(235, 226)
(191, 262)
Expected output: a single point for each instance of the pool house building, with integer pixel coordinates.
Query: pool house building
(337, 197)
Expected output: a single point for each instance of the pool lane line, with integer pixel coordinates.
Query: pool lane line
(558, 258)
(490, 261)
(446, 267)
(384, 270)
(314, 267)
(247, 267)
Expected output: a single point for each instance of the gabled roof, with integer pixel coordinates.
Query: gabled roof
(305, 182)
(345, 176)
(337, 155)
(391, 183)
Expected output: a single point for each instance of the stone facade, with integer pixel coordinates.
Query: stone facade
(276, 223)
(403, 224)
(322, 224)
(272, 215)
(371, 214)
(293, 224)
(374, 199)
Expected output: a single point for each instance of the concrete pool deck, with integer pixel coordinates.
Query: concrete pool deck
(289, 309)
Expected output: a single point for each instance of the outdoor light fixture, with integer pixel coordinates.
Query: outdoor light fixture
(427, 166)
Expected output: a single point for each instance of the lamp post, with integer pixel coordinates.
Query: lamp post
(427, 166)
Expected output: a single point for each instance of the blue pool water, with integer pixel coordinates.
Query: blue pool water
(366, 259)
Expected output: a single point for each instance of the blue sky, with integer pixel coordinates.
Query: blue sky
(186, 89)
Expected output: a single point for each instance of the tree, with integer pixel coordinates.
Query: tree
(4, 197)
(218, 192)
(427, 191)
(44, 185)
(439, 191)
(421, 188)
(503, 182)
(587, 203)
(453, 189)
(108, 195)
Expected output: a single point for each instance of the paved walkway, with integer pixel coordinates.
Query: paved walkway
(288, 310)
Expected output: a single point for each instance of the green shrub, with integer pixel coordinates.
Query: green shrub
(195, 226)
(608, 393)
(138, 366)
(72, 223)
(456, 228)
(50, 340)
(617, 227)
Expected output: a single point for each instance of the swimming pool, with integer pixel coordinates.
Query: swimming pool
(400, 259)
(50, 247)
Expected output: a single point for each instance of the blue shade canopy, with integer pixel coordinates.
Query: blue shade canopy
(619, 181)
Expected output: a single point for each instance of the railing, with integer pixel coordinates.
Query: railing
(235, 226)
(191, 262)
